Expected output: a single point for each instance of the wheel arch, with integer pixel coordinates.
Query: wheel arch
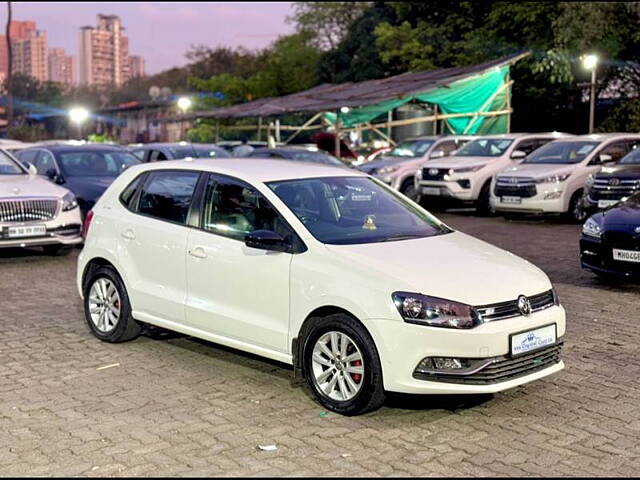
(93, 265)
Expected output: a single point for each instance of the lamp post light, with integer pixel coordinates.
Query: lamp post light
(78, 115)
(184, 104)
(590, 62)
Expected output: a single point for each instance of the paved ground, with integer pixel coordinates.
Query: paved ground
(176, 406)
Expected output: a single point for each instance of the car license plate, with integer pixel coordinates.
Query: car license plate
(27, 231)
(533, 339)
(430, 190)
(606, 203)
(626, 255)
(511, 200)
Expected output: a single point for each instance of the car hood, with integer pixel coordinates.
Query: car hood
(457, 162)
(88, 188)
(626, 172)
(386, 162)
(625, 215)
(454, 266)
(29, 185)
(536, 170)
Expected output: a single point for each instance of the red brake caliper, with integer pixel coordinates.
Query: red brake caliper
(356, 376)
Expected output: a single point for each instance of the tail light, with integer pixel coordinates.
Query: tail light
(87, 224)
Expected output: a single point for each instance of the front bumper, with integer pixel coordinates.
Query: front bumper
(65, 229)
(403, 346)
(597, 257)
(536, 204)
(450, 189)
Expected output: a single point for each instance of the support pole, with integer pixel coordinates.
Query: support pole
(306, 124)
(337, 140)
(259, 128)
(435, 119)
(389, 120)
(508, 104)
(277, 130)
(217, 131)
(592, 102)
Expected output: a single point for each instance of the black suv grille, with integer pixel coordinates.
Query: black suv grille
(434, 173)
(515, 187)
(503, 310)
(504, 368)
(612, 188)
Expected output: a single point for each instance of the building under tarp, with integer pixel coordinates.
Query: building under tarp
(470, 100)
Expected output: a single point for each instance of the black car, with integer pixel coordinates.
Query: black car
(86, 170)
(298, 154)
(610, 241)
(155, 152)
(614, 183)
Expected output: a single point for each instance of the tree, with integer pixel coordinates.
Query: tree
(9, 80)
(327, 22)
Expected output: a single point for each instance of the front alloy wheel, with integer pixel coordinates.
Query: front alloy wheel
(104, 305)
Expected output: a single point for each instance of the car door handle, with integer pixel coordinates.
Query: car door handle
(128, 234)
(198, 252)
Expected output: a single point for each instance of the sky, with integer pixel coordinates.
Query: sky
(160, 31)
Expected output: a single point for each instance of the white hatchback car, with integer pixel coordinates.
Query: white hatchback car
(35, 212)
(319, 267)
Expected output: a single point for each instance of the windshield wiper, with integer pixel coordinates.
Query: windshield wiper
(402, 236)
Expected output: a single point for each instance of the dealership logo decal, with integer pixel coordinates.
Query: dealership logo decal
(524, 305)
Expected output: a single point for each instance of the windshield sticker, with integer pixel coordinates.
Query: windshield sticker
(360, 198)
(369, 223)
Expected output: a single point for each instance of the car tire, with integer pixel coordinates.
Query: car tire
(483, 204)
(56, 250)
(357, 381)
(408, 189)
(577, 213)
(107, 309)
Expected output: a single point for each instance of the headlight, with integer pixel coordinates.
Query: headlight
(592, 228)
(554, 178)
(465, 169)
(590, 180)
(387, 170)
(418, 174)
(435, 312)
(69, 202)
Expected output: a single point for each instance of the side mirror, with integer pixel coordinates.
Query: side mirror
(518, 155)
(437, 154)
(604, 158)
(266, 240)
(51, 174)
(33, 171)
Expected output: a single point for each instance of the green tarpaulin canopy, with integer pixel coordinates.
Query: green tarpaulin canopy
(485, 92)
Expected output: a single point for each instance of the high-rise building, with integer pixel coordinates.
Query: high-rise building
(104, 53)
(18, 30)
(30, 55)
(62, 67)
(136, 66)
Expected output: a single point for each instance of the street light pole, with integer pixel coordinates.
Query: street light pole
(592, 106)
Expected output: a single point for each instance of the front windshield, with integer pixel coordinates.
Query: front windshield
(631, 158)
(561, 152)
(95, 163)
(411, 148)
(317, 157)
(211, 152)
(485, 147)
(353, 210)
(8, 166)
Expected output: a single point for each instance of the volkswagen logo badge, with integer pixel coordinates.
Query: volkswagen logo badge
(614, 181)
(524, 305)
(433, 172)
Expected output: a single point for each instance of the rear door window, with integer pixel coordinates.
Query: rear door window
(167, 195)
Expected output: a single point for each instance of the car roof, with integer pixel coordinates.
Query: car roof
(254, 169)
(601, 137)
(165, 145)
(88, 146)
(518, 135)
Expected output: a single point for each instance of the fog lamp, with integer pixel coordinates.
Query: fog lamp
(442, 364)
(553, 195)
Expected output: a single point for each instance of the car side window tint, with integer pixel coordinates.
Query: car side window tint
(447, 147)
(44, 162)
(128, 195)
(233, 209)
(167, 195)
(156, 156)
(27, 155)
(616, 150)
(528, 146)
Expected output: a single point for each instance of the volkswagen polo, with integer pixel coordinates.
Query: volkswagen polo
(320, 267)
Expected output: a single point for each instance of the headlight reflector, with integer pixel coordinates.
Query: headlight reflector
(387, 170)
(434, 311)
(554, 178)
(592, 228)
(69, 202)
(465, 169)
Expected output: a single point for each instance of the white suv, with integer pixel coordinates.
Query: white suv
(398, 167)
(466, 176)
(35, 212)
(319, 267)
(552, 179)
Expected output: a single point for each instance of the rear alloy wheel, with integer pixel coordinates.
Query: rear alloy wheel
(341, 365)
(107, 309)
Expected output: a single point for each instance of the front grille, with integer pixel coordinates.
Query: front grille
(502, 369)
(28, 210)
(611, 188)
(434, 173)
(515, 187)
(503, 310)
